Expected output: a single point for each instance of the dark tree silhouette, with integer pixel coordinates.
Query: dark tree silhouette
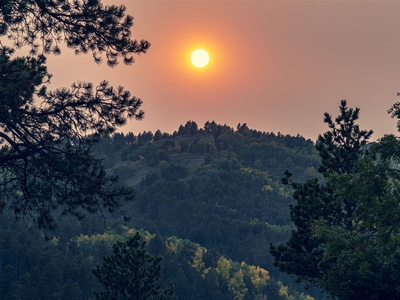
(46, 163)
(85, 26)
(131, 273)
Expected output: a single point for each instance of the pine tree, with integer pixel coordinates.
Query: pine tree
(346, 235)
(130, 273)
(85, 26)
(46, 137)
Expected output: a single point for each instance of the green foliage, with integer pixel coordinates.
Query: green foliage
(61, 268)
(46, 161)
(221, 194)
(227, 199)
(130, 273)
(346, 236)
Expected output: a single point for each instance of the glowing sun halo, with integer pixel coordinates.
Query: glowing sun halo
(200, 58)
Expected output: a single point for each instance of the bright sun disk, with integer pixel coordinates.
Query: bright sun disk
(200, 58)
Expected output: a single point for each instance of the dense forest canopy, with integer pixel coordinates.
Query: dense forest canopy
(215, 185)
(209, 199)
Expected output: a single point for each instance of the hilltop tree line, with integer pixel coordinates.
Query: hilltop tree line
(253, 147)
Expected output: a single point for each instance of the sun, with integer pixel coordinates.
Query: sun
(199, 58)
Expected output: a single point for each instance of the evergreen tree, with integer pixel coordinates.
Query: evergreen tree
(46, 163)
(157, 135)
(131, 273)
(85, 26)
(346, 236)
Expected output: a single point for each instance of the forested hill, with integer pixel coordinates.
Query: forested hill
(216, 186)
(208, 200)
(134, 156)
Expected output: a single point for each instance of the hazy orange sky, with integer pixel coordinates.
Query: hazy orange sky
(275, 65)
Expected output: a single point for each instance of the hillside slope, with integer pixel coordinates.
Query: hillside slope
(215, 186)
